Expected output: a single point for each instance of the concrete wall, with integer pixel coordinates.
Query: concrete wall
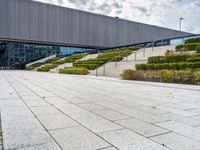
(28, 20)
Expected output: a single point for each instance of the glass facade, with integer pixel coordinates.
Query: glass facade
(17, 55)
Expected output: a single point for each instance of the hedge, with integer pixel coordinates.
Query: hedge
(192, 40)
(73, 70)
(33, 66)
(141, 75)
(173, 66)
(102, 58)
(171, 58)
(187, 47)
(198, 49)
(168, 59)
(180, 76)
(47, 67)
(195, 59)
(167, 76)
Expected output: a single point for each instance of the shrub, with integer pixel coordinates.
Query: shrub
(198, 49)
(30, 68)
(73, 70)
(192, 40)
(194, 59)
(173, 66)
(169, 59)
(47, 67)
(117, 58)
(141, 75)
(167, 76)
(52, 60)
(33, 66)
(180, 47)
(191, 46)
(179, 76)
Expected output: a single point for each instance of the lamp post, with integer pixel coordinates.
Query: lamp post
(180, 24)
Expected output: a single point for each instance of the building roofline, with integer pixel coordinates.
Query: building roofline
(78, 10)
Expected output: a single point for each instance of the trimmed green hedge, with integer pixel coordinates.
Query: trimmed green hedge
(198, 49)
(173, 66)
(102, 58)
(171, 58)
(168, 59)
(73, 70)
(192, 40)
(195, 59)
(167, 76)
(46, 67)
(187, 47)
(180, 76)
(33, 66)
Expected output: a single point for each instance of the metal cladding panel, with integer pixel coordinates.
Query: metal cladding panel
(27, 20)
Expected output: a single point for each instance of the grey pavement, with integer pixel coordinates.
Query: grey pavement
(46, 111)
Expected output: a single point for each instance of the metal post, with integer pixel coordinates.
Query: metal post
(180, 24)
(152, 46)
(104, 69)
(144, 52)
(96, 72)
(135, 56)
(115, 63)
(126, 57)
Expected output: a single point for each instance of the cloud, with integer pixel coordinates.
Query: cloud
(164, 13)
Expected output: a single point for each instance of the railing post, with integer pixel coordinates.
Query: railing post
(152, 46)
(126, 57)
(144, 52)
(135, 56)
(115, 63)
(96, 72)
(104, 69)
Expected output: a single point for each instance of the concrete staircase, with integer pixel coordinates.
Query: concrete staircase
(114, 69)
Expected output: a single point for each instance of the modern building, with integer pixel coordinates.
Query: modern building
(31, 30)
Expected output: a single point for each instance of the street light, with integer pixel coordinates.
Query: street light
(180, 25)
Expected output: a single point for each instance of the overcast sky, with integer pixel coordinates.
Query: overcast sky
(165, 13)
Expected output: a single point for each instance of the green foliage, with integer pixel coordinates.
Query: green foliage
(167, 76)
(46, 67)
(169, 58)
(73, 70)
(187, 47)
(173, 66)
(117, 58)
(52, 60)
(192, 40)
(191, 46)
(30, 68)
(180, 76)
(141, 75)
(111, 55)
(193, 59)
(198, 49)
(33, 66)
(75, 57)
(180, 48)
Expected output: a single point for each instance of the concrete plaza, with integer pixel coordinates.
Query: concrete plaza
(46, 111)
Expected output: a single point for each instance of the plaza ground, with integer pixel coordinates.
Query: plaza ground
(47, 111)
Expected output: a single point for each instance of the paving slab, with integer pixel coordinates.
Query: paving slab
(78, 138)
(45, 110)
(182, 129)
(48, 146)
(91, 106)
(95, 123)
(175, 141)
(52, 122)
(111, 115)
(22, 133)
(141, 127)
(127, 140)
